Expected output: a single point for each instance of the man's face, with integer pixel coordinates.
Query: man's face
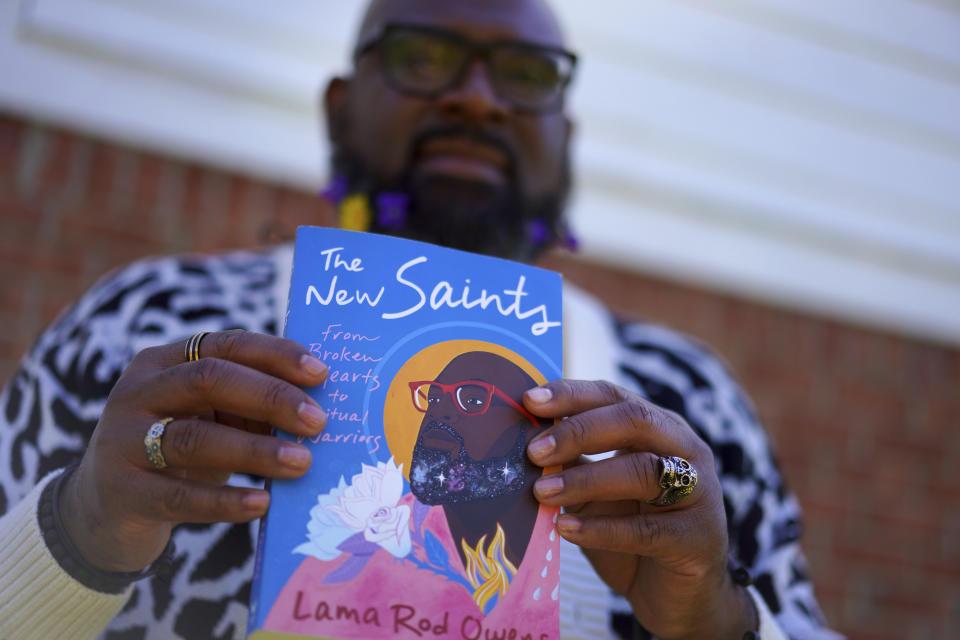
(471, 444)
(478, 169)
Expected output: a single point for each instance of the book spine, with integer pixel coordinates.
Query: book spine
(253, 623)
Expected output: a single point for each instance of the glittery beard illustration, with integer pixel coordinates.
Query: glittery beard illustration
(436, 477)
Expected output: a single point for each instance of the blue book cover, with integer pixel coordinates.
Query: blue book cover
(417, 517)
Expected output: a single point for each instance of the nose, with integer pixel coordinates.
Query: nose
(474, 99)
(443, 410)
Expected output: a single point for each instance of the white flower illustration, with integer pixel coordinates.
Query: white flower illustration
(369, 504)
(325, 531)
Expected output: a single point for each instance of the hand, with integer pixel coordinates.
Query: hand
(119, 509)
(670, 563)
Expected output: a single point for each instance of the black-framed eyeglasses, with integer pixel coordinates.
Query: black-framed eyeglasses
(428, 61)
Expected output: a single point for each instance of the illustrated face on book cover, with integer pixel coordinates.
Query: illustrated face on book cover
(470, 452)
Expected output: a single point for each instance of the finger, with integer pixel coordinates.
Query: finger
(571, 397)
(644, 534)
(198, 444)
(213, 384)
(275, 356)
(633, 424)
(567, 397)
(631, 476)
(239, 422)
(167, 498)
(207, 476)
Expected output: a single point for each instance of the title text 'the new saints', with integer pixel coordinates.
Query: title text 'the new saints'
(443, 294)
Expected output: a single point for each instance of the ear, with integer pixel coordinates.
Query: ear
(335, 107)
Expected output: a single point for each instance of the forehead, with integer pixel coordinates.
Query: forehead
(482, 20)
(485, 366)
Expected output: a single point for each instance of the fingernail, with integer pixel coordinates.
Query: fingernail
(548, 486)
(539, 395)
(542, 447)
(567, 523)
(312, 365)
(313, 415)
(296, 457)
(256, 502)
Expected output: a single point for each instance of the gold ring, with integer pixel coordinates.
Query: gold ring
(678, 478)
(152, 443)
(191, 352)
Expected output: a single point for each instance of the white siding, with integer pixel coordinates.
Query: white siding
(804, 153)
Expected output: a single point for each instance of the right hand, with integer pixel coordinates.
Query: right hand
(119, 510)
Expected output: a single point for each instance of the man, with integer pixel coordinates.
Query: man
(470, 453)
(473, 132)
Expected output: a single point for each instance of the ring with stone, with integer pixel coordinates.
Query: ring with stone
(678, 478)
(152, 443)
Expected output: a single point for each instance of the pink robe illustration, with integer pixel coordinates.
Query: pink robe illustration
(427, 593)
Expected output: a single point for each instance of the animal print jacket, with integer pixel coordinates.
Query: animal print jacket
(51, 405)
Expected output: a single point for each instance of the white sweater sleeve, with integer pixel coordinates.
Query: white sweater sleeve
(38, 599)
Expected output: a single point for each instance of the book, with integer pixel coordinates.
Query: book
(417, 517)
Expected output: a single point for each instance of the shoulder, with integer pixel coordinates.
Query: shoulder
(158, 300)
(156, 283)
(667, 366)
(154, 301)
(688, 362)
(683, 374)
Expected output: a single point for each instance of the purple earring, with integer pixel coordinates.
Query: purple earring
(336, 189)
(538, 232)
(392, 209)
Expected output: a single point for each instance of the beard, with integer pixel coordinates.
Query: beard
(459, 213)
(437, 477)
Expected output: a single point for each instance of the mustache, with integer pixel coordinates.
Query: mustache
(473, 134)
(441, 426)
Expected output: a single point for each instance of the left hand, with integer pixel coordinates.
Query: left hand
(670, 563)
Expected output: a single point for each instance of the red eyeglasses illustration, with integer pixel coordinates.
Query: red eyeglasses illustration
(472, 397)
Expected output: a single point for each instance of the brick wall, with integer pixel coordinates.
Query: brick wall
(866, 424)
(72, 207)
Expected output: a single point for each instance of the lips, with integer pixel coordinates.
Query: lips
(463, 158)
(439, 437)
